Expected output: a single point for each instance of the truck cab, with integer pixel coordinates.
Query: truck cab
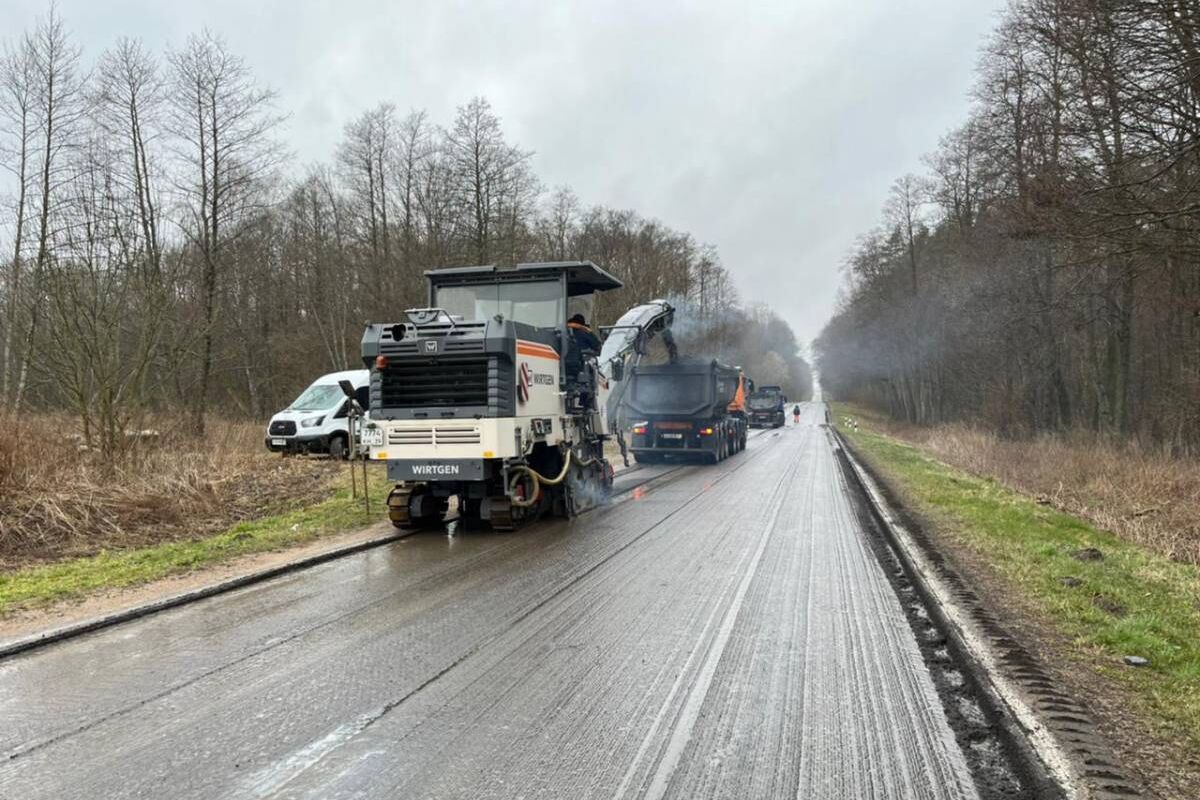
(767, 407)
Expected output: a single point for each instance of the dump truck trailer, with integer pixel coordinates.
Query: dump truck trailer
(683, 410)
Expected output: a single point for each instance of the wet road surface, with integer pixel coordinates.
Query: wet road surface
(724, 633)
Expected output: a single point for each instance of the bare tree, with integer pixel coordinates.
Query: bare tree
(18, 76)
(903, 211)
(559, 224)
(492, 178)
(59, 105)
(415, 149)
(223, 123)
(130, 108)
(367, 155)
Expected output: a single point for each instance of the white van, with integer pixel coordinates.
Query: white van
(316, 421)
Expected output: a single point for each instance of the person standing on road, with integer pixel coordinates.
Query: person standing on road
(796, 413)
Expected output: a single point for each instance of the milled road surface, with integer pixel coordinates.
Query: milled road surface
(727, 633)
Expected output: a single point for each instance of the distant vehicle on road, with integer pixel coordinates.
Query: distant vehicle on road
(316, 421)
(767, 407)
(686, 409)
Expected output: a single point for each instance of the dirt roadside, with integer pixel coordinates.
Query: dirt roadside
(33, 620)
(1081, 673)
(28, 622)
(1166, 768)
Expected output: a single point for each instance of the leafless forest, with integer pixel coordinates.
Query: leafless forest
(162, 249)
(1043, 274)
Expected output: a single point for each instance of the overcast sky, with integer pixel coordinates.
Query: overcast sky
(769, 130)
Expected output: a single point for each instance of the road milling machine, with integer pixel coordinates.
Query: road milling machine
(487, 396)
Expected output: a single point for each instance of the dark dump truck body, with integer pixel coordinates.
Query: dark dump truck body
(683, 410)
(767, 407)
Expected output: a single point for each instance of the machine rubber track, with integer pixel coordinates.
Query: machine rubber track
(399, 503)
(504, 516)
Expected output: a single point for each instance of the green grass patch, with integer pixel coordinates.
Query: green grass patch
(1132, 602)
(39, 586)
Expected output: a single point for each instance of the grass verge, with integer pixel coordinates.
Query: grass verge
(1130, 602)
(33, 587)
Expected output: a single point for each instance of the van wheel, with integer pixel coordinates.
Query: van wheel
(337, 447)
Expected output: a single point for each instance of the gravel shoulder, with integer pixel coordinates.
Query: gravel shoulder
(1078, 597)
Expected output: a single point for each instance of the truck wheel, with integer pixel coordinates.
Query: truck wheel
(337, 447)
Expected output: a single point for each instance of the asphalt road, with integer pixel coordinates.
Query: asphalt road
(726, 633)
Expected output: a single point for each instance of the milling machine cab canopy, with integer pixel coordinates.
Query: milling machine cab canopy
(543, 295)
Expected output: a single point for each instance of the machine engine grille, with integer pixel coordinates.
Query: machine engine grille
(435, 383)
(435, 434)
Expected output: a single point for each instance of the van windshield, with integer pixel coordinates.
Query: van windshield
(318, 397)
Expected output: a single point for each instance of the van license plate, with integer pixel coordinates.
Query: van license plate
(672, 435)
(279, 442)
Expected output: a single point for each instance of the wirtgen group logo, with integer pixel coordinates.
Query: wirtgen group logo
(430, 345)
(524, 381)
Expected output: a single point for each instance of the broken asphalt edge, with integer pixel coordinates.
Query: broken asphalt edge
(1060, 731)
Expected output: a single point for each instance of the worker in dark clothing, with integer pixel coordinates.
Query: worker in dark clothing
(582, 342)
(582, 335)
(796, 413)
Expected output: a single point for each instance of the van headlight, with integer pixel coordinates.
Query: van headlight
(311, 422)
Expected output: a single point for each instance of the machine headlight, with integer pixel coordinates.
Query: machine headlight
(311, 422)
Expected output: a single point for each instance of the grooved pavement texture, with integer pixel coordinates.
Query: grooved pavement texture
(725, 635)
